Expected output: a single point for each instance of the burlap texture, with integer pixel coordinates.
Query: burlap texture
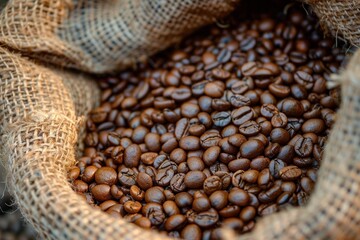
(42, 110)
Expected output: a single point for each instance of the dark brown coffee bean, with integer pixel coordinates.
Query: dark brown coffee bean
(152, 141)
(101, 192)
(164, 176)
(247, 214)
(191, 232)
(239, 197)
(221, 119)
(212, 184)
(292, 108)
(210, 138)
(219, 199)
(268, 110)
(259, 163)
(177, 183)
(241, 115)
(278, 90)
(307, 184)
(252, 148)
(144, 181)
(236, 140)
(249, 128)
(106, 175)
(211, 155)
(195, 164)
(290, 173)
(213, 90)
(155, 195)
(280, 136)
(127, 177)
(175, 222)
(189, 143)
(170, 208)
(305, 79)
(239, 164)
(316, 126)
(89, 174)
(201, 204)
(275, 166)
(132, 207)
(270, 194)
(194, 179)
(303, 147)
(183, 199)
(207, 219)
(279, 120)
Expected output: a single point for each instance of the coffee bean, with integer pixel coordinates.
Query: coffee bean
(275, 166)
(210, 138)
(207, 219)
(219, 199)
(194, 179)
(249, 128)
(101, 192)
(155, 195)
(211, 155)
(241, 115)
(303, 147)
(201, 204)
(127, 177)
(290, 173)
(175, 222)
(191, 232)
(238, 197)
(183, 199)
(132, 207)
(280, 136)
(106, 175)
(177, 183)
(316, 126)
(252, 148)
(221, 119)
(212, 184)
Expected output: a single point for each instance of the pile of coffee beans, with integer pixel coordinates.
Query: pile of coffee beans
(226, 128)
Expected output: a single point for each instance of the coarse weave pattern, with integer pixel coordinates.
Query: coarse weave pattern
(42, 110)
(339, 18)
(101, 36)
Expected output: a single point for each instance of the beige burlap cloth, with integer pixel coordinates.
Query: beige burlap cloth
(42, 109)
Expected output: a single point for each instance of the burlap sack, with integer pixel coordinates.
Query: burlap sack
(42, 109)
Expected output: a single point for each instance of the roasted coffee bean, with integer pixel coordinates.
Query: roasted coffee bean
(177, 183)
(207, 219)
(175, 222)
(210, 138)
(127, 177)
(183, 199)
(219, 199)
(241, 115)
(316, 126)
(189, 143)
(201, 204)
(252, 148)
(290, 173)
(280, 136)
(212, 184)
(221, 119)
(279, 120)
(105, 175)
(249, 128)
(303, 147)
(191, 232)
(275, 166)
(238, 197)
(259, 163)
(170, 208)
(194, 179)
(155, 195)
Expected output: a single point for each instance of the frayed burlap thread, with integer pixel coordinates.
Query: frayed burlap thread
(42, 110)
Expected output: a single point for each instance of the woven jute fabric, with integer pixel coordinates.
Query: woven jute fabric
(43, 107)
